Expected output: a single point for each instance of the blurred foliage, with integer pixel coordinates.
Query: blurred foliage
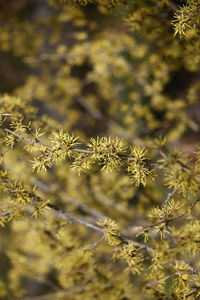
(100, 162)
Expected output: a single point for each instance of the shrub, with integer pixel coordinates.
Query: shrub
(100, 165)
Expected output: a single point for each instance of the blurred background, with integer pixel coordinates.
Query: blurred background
(94, 69)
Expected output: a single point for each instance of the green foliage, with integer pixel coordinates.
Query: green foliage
(99, 155)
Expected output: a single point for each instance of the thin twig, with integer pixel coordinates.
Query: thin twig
(95, 244)
(26, 139)
(64, 215)
(169, 196)
(83, 207)
(111, 203)
(86, 208)
(21, 138)
(162, 279)
(169, 220)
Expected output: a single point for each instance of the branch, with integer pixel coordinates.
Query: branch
(64, 215)
(169, 196)
(21, 138)
(162, 279)
(169, 220)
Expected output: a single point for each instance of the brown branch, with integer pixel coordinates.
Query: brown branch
(169, 196)
(40, 142)
(155, 282)
(125, 239)
(169, 220)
